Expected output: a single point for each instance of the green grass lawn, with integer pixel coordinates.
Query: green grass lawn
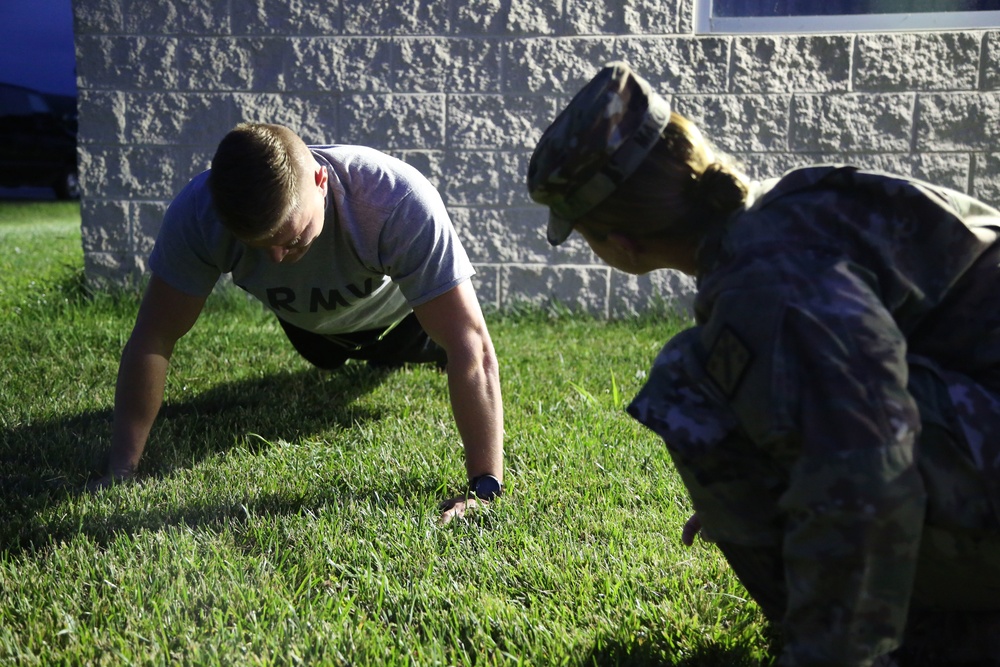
(287, 516)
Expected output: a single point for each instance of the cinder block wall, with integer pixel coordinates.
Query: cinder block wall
(462, 89)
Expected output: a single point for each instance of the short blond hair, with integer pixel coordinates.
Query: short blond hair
(256, 178)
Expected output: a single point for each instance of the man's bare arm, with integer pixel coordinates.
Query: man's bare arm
(165, 315)
(455, 321)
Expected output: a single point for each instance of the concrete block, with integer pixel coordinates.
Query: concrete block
(179, 118)
(334, 65)
(395, 17)
(543, 65)
(990, 78)
(739, 123)
(497, 122)
(524, 242)
(986, 178)
(594, 17)
(107, 271)
(96, 17)
(513, 188)
(910, 61)
(423, 64)
(104, 225)
(685, 17)
(958, 121)
(581, 289)
(165, 17)
(447, 65)
(761, 166)
(479, 17)
(679, 65)
(486, 282)
(280, 17)
(226, 64)
(393, 121)
(486, 235)
(184, 163)
(514, 236)
(863, 123)
(159, 172)
(479, 230)
(429, 163)
(98, 167)
(102, 117)
(655, 17)
(790, 63)
(473, 178)
(126, 62)
(313, 116)
(664, 291)
(534, 17)
(145, 221)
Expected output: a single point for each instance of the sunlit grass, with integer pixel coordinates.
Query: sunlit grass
(287, 516)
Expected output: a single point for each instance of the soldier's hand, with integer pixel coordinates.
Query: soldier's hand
(692, 528)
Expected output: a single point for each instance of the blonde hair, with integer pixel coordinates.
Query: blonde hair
(682, 187)
(256, 178)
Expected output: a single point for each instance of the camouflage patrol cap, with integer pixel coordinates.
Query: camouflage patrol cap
(599, 140)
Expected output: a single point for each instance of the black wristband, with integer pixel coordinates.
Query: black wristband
(485, 487)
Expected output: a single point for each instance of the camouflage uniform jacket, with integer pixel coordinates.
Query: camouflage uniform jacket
(787, 408)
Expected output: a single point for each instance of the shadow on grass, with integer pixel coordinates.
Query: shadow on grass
(47, 463)
(102, 529)
(617, 653)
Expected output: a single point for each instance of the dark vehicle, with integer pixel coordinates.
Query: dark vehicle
(38, 140)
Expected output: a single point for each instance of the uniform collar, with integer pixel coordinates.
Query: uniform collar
(759, 195)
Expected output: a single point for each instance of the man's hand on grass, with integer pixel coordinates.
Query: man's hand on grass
(459, 507)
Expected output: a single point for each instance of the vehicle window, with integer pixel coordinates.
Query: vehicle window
(803, 16)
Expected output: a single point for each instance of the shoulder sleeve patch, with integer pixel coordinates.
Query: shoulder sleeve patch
(728, 361)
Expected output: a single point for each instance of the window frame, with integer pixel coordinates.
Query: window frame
(706, 24)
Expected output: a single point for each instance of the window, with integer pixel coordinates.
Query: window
(803, 16)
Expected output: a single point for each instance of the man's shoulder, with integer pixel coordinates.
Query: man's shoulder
(366, 179)
(191, 215)
(360, 159)
(194, 199)
(350, 163)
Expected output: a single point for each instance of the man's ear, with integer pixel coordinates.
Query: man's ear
(321, 176)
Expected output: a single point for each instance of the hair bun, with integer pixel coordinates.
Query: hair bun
(719, 188)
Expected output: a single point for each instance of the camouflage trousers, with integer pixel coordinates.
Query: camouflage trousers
(934, 637)
(954, 617)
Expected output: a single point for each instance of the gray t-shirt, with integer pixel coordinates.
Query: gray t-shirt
(387, 245)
